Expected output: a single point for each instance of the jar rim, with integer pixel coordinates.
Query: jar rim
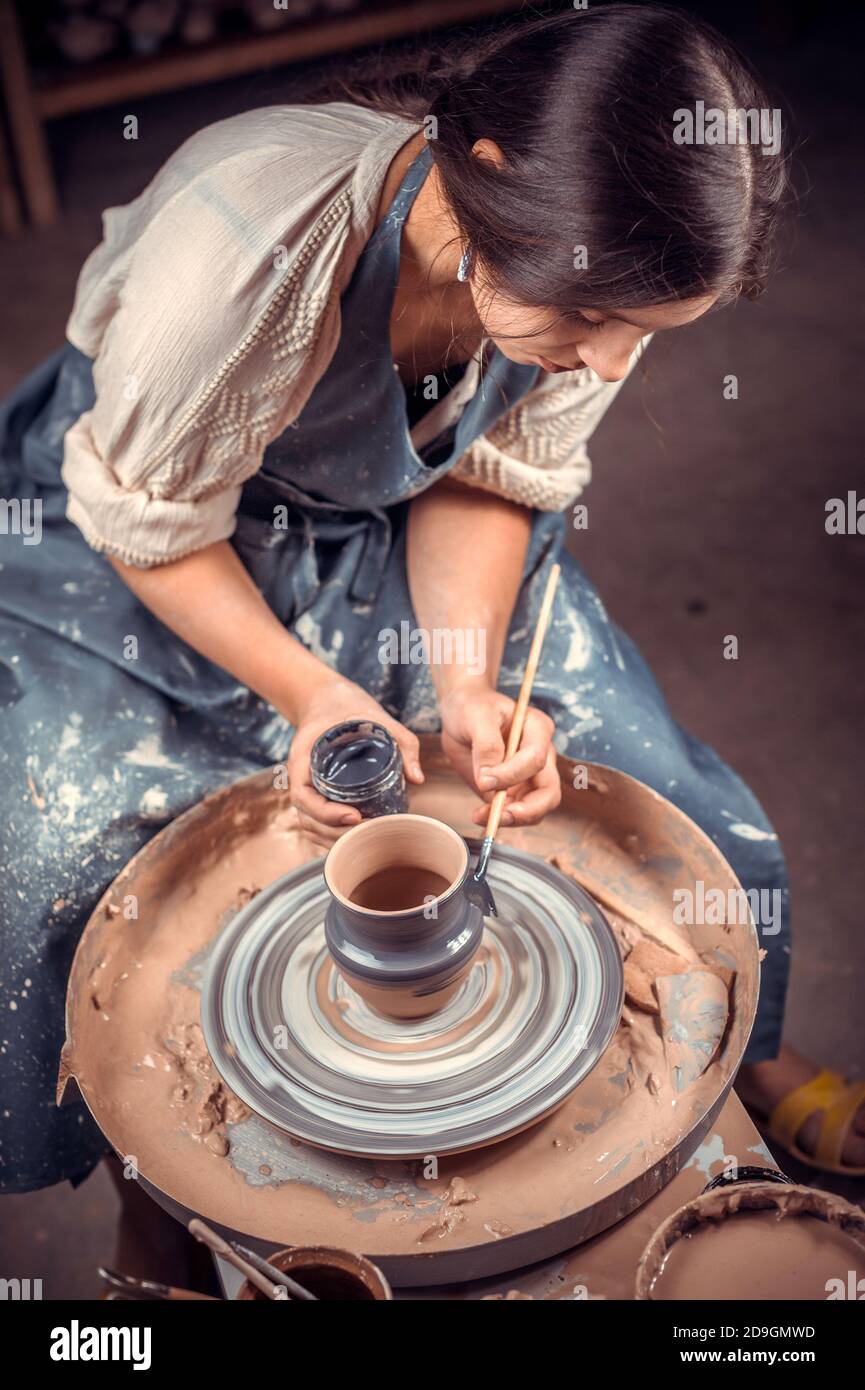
(348, 731)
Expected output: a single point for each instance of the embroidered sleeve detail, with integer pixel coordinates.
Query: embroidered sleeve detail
(536, 453)
(541, 488)
(250, 400)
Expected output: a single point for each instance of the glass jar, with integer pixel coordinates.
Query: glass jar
(358, 763)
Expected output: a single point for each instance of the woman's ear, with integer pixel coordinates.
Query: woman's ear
(489, 153)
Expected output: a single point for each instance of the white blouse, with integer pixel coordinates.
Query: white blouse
(212, 307)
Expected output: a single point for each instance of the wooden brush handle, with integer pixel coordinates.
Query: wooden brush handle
(515, 732)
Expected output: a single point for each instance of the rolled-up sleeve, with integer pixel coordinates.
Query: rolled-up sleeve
(203, 353)
(537, 453)
(129, 522)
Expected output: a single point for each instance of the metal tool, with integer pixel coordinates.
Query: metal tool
(269, 1281)
(295, 1290)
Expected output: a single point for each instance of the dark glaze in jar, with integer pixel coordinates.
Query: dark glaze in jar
(358, 763)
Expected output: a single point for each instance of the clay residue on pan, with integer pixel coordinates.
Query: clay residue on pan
(450, 1213)
(694, 1009)
(202, 1102)
(782, 1200)
(615, 1130)
(646, 962)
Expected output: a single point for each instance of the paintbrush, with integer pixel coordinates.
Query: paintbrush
(274, 1284)
(296, 1290)
(515, 733)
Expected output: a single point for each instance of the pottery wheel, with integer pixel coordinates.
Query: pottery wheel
(135, 1051)
(298, 1046)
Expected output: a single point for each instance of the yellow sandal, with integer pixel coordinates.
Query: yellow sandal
(839, 1100)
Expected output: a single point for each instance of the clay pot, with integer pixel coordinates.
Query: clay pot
(403, 925)
(332, 1275)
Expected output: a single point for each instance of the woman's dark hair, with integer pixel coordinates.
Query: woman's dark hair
(584, 106)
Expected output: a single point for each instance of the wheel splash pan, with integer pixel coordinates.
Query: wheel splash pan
(574, 1173)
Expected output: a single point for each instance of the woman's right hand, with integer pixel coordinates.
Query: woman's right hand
(210, 600)
(332, 701)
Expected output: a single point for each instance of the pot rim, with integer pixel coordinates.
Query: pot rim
(365, 827)
(299, 1257)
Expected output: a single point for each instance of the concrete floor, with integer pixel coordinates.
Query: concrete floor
(714, 527)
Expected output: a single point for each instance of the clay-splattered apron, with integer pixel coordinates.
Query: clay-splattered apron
(104, 740)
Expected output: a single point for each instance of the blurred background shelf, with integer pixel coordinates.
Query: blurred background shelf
(61, 57)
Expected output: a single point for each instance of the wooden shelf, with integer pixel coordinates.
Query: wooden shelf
(32, 98)
(102, 84)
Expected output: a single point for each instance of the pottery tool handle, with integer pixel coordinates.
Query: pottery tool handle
(516, 730)
(222, 1248)
(127, 1286)
(175, 1295)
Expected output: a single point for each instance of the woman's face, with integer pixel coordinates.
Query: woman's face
(601, 339)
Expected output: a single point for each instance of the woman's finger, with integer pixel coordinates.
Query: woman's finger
(409, 747)
(525, 764)
(311, 803)
(513, 793)
(324, 835)
(488, 745)
(480, 816)
(541, 797)
(531, 755)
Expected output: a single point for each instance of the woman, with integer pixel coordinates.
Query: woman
(335, 369)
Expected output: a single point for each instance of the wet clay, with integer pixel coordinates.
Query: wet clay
(760, 1255)
(756, 1241)
(399, 888)
(133, 1008)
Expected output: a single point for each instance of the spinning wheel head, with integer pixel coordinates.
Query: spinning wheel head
(524, 1018)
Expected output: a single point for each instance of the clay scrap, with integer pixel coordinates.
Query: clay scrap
(691, 998)
(648, 961)
(694, 1009)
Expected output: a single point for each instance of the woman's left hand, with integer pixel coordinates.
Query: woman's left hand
(475, 723)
